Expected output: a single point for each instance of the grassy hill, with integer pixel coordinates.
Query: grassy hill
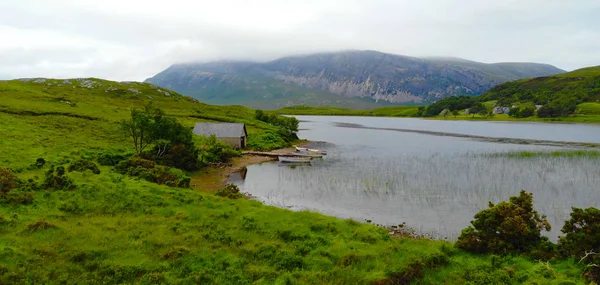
(572, 96)
(115, 229)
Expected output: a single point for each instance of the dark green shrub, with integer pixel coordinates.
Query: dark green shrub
(179, 156)
(147, 170)
(40, 162)
(57, 180)
(111, 159)
(508, 227)
(127, 166)
(230, 191)
(582, 234)
(82, 165)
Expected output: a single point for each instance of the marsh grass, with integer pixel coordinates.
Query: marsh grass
(548, 154)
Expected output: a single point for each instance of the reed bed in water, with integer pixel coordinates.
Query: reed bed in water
(439, 192)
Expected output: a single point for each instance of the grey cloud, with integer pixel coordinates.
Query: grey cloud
(126, 45)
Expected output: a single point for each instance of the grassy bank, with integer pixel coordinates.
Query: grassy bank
(113, 229)
(589, 114)
(396, 111)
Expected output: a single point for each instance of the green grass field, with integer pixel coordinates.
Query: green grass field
(114, 229)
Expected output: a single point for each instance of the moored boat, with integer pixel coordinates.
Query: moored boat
(312, 150)
(295, 159)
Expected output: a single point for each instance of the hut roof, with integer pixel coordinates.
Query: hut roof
(220, 130)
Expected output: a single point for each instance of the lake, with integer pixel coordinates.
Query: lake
(377, 169)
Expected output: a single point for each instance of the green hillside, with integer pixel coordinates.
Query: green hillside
(90, 224)
(572, 94)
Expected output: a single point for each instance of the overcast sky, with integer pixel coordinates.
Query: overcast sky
(133, 40)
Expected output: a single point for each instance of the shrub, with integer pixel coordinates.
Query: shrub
(180, 156)
(83, 165)
(40, 162)
(504, 228)
(266, 141)
(582, 234)
(40, 225)
(8, 181)
(230, 191)
(127, 166)
(19, 197)
(111, 159)
(57, 180)
(147, 170)
(215, 151)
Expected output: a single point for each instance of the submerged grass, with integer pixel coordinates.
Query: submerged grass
(114, 229)
(549, 154)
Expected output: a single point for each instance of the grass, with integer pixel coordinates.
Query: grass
(396, 111)
(549, 154)
(114, 229)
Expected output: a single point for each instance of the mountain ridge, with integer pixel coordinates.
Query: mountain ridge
(338, 78)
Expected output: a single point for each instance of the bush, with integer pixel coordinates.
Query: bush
(147, 170)
(180, 156)
(57, 180)
(19, 197)
(230, 191)
(111, 159)
(582, 234)
(83, 165)
(266, 141)
(509, 227)
(8, 181)
(39, 163)
(215, 151)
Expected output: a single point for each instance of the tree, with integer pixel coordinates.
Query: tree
(478, 108)
(455, 113)
(141, 126)
(507, 227)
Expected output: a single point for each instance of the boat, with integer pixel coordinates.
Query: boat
(295, 159)
(303, 149)
(304, 154)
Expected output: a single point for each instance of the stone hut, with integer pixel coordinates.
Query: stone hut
(231, 133)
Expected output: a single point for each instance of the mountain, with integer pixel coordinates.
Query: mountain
(345, 79)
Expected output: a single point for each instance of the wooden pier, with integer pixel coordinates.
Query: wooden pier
(275, 155)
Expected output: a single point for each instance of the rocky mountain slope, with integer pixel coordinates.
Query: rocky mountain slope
(347, 79)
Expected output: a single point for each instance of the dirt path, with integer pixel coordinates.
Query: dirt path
(214, 178)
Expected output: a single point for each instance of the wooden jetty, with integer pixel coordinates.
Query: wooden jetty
(275, 155)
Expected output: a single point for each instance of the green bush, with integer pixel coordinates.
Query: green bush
(82, 165)
(582, 234)
(230, 191)
(111, 159)
(508, 227)
(213, 150)
(57, 180)
(266, 141)
(147, 170)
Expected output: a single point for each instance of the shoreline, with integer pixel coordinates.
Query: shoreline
(215, 177)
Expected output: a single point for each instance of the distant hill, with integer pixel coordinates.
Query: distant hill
(576, 92)
(582, 85)
(353, 79)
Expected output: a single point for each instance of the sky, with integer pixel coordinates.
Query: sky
(132, 40)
